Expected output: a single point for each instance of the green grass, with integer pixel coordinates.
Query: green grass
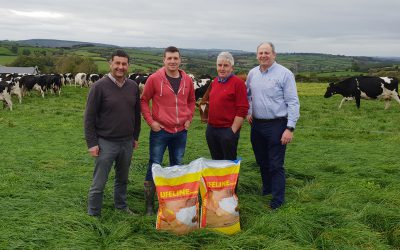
(342, 182)
(6, 59)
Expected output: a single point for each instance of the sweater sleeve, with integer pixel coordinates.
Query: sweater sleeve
(242, 104)
(92, 107)
(147, 95)
(138, 118)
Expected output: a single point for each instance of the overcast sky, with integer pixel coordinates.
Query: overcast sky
(345, 27)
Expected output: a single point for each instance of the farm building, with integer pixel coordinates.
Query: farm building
(19, 70)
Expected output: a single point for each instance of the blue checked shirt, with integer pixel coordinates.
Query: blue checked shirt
(273, 94)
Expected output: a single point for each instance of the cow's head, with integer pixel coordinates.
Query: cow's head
(330, 90)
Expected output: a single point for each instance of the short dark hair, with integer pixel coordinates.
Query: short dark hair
(172, 49)
(119, 53)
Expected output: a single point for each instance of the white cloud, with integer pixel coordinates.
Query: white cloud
(37, 14)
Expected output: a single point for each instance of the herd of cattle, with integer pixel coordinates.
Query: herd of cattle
(21, 85)
(353, 88)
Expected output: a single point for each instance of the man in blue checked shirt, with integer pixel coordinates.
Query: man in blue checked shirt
(273, 113)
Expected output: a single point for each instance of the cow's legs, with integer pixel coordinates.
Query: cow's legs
(341, 103)
(387, 104)
(396, 97)
(358, 101)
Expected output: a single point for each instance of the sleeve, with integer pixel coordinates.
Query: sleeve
(138, 118)
(242, 104)
(291, 99)
(147, 95)
(249, 99)
(92, 107)
(191, 99)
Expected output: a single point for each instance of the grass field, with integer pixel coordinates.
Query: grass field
(343, 188)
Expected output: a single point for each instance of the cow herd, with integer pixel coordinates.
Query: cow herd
(353, 88)
(21, 85)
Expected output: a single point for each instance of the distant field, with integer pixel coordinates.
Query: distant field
(343, 174)
(6, 59)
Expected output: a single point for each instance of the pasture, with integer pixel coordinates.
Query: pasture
(343, 188)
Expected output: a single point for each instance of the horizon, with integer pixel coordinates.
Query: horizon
(182, 48)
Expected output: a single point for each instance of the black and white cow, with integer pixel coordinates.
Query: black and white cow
(5, 93)
(30, 82)
(203, 80)
(51, 82)
(199, 92)
(140, 79)
(80, 79)
(92, 78)
(68, 78)
(365, 87)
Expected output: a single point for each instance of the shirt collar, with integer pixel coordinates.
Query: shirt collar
(259, 68)
(115, 80)
(224, 80)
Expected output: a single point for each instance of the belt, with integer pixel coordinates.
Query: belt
(270, 120)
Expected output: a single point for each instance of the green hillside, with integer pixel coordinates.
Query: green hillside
(306, 66)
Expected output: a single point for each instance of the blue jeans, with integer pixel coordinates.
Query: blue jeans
(159, 141)
(110, 151)
(270, 156)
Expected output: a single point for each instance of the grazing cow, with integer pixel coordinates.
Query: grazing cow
(29, 82)
(203, 80)
(140, 79)
(69, 77)
(5, 93)
(365, 87)
(80, 79)
(92, 78)
(51, 82)
(199, 92)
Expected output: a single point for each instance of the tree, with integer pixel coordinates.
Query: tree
(355, 66)
(14, 49)
(75, 64)
(26, 52)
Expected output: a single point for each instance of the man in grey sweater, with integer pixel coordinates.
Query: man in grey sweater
(112, 126)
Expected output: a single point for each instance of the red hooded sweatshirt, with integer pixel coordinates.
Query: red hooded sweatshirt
(169, 109)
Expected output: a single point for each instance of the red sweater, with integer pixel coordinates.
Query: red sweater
(227, 100)
(169, 109)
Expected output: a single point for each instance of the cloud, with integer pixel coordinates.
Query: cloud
(37, 14)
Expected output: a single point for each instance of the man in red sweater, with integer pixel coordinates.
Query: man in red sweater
(228, 107)
(171, 92)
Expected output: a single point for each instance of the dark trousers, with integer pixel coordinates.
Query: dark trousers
(270, 155)
(222, 143)
(110, 152)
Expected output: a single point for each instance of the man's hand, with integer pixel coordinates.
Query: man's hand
(187, 125)
(250, 119)
(94, 151)
(135, 144)
(287, 137)
(155, 126)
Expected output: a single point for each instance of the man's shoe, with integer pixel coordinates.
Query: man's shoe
(128, 211)
(274, 207)
(95, 215)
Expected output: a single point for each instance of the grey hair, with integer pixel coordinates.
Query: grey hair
(226, 56)
(269, 43)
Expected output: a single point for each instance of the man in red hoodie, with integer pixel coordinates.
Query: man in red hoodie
(171, 92)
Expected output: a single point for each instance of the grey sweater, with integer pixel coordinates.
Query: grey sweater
(112, 113)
